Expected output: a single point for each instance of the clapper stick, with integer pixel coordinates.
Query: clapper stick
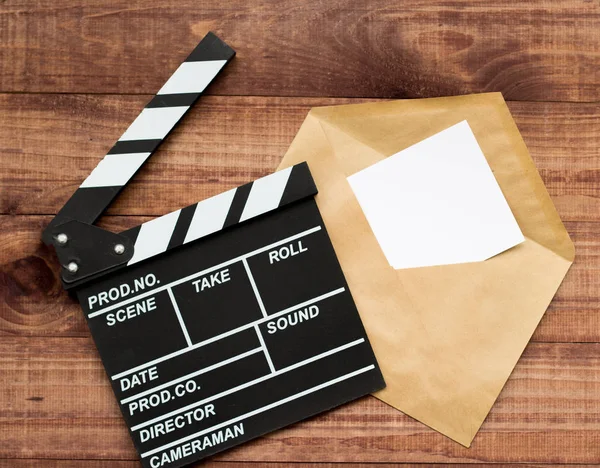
(146, 133)
(131, 151)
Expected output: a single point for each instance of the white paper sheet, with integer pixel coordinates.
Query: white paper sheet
(436, 203)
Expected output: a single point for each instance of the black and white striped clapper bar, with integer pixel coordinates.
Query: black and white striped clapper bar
(221, 321)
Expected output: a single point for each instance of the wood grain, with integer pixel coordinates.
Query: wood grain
(56, 407)
(50, 143)
(534, 50)
(33, 303)
(45, 463)
(55, 402)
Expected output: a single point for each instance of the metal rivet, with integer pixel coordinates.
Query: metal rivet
(62, 238)
(119, 249)
(72, 267)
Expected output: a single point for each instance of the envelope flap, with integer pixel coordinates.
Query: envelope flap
(384, 128)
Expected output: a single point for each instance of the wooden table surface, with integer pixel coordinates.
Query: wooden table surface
(73, 75)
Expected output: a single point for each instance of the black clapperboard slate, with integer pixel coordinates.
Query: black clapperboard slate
(224, 320)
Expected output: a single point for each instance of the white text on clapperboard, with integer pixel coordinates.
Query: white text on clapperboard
(197, 445)
(146, 304)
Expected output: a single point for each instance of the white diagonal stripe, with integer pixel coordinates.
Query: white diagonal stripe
(115, 170)
(209, 216)
(192, 77)
(154, 237)
(153, 123)
(265, 194)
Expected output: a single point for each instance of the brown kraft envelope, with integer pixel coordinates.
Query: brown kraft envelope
(446, 337)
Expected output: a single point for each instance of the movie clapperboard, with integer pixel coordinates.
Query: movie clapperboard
(224, 320)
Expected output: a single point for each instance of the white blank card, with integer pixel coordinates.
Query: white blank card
(436, 203)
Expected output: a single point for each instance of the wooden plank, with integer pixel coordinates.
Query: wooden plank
(534, 50)
(50, 143)
(45, 463)
(37, 463)
(33, 303)
(55, 402)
